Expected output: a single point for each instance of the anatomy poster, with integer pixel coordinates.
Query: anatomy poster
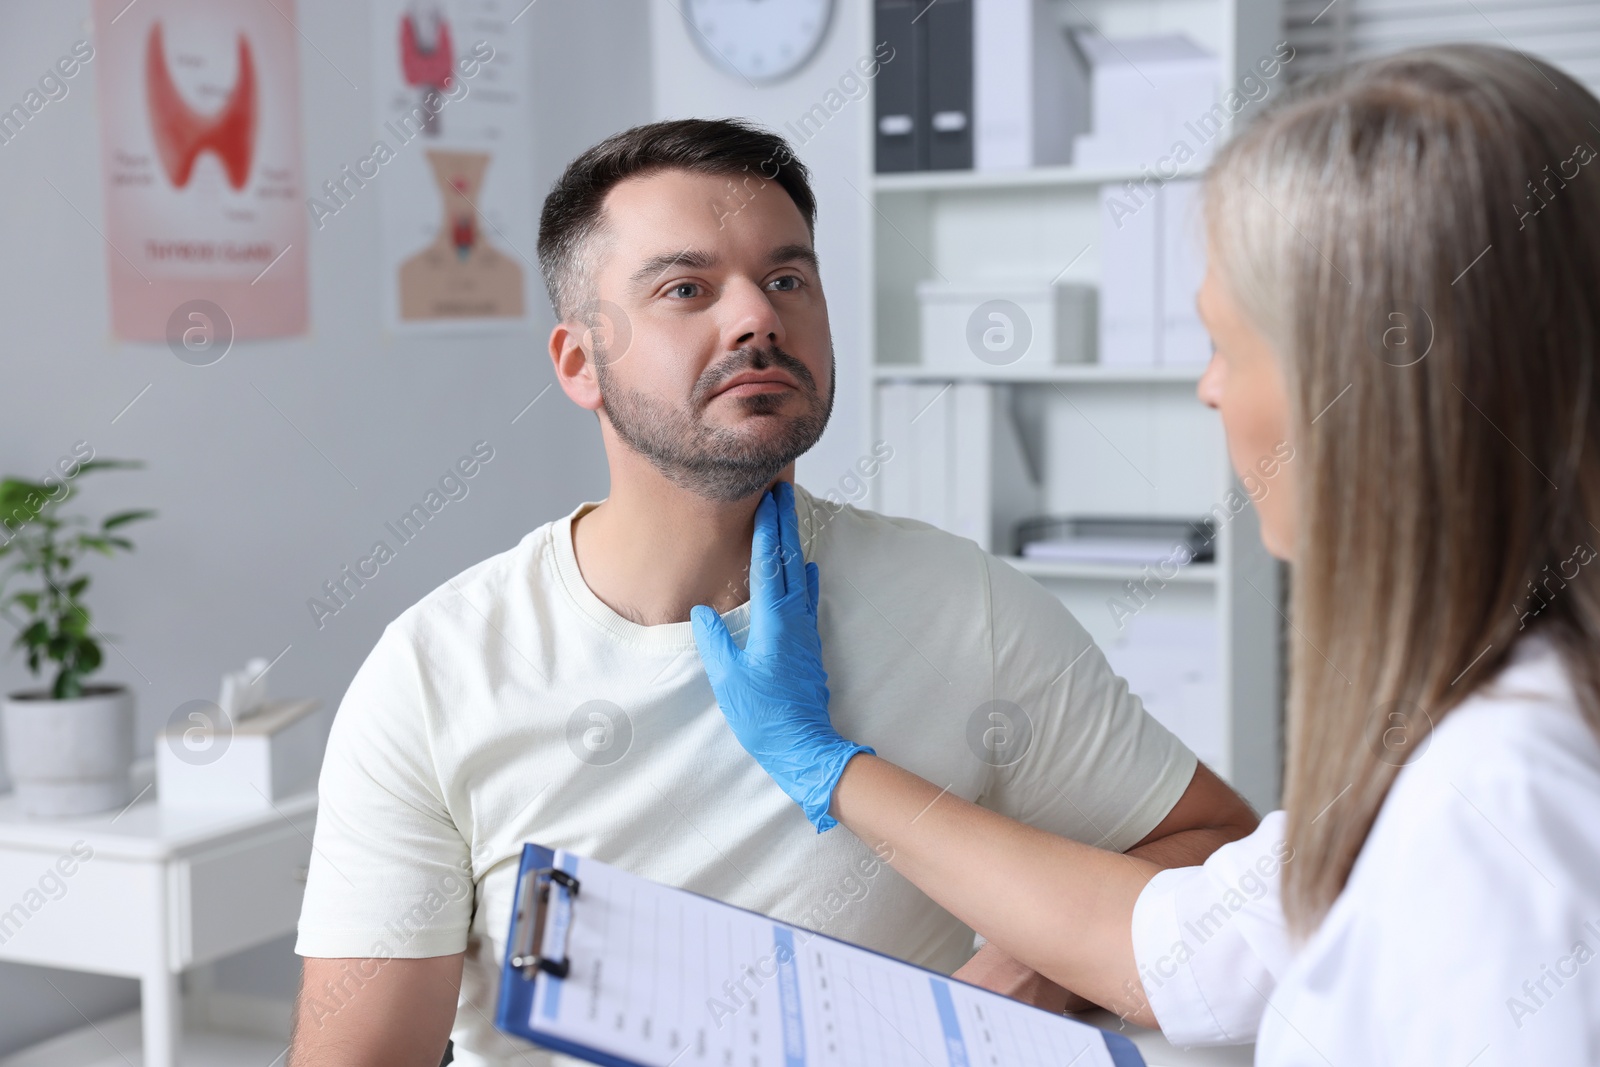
(200, 138)
(453, 163)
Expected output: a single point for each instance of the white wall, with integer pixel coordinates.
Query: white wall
(252, 519)
(687, 85)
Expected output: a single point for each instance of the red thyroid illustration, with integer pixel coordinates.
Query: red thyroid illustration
(425, 66)
(181, 134)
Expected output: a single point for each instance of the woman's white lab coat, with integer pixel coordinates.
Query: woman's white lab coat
(1468, 934)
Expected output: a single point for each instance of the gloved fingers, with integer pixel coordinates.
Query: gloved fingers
(766, 567)
(794, 560)
(711, 637)
(813, 587)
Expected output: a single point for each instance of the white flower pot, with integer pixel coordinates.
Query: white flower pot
(70, 757)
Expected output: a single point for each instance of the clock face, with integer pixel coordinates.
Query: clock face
(761, 40)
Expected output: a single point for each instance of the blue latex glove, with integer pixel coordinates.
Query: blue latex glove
(774, 691)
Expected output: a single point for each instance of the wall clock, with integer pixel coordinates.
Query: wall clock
(763, 41)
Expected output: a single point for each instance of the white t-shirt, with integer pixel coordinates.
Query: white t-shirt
(512, 705)
(1468, 932)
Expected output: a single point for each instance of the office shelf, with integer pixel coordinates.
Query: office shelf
(942, 181)
(1076, 373)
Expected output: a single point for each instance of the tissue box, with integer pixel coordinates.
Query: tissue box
(262, 759)
(995, 329)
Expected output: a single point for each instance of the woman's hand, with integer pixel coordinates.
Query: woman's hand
(774, 691)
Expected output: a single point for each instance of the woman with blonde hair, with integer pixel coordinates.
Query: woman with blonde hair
(1404, 285)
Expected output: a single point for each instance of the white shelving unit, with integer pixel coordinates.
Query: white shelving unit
(1108, 440)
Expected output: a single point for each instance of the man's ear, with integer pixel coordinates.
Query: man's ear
(569, 344)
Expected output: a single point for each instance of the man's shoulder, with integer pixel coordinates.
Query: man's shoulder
(910, 548)
(479, 595)
(844, 527)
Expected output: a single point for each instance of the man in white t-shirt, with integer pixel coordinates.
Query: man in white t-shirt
(553, 693)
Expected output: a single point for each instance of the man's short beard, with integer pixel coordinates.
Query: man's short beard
(717, 463)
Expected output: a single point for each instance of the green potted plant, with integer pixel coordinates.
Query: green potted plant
(68, 748)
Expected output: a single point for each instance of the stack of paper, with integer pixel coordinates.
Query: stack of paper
(1133, 550)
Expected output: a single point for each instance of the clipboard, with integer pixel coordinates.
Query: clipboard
(620, 971)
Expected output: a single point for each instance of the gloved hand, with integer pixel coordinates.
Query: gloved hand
(774, 691)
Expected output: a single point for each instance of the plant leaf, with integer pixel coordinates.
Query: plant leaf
(122, 517)
(21, 502)
(15, 490)
(99, 544)
(109, 464)
(78, 586)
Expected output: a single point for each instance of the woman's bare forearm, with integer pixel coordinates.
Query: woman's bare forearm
(1059, 906)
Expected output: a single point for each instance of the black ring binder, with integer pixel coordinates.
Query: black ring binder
(532, 914)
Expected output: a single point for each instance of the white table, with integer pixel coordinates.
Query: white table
(161, 891)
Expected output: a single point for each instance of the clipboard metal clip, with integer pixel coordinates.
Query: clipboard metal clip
(533, 911)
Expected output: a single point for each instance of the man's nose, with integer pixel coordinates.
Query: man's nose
(752, 319)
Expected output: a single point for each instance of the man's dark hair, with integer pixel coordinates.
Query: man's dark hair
(572, 212)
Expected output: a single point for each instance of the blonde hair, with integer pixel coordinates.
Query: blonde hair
(1418, 236)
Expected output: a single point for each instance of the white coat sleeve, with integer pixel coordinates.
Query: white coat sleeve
(1210, 941)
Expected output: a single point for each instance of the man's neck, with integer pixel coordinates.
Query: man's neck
(652, 549)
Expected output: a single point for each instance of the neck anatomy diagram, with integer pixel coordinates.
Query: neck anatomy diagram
(181, 134)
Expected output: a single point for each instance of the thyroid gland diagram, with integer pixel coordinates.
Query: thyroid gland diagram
(426, 56)
(425, 49)
(181, 134)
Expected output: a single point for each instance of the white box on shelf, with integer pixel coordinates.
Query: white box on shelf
(259, 760)
(1151, 264)
(992, 329)
(1150, 95)
(1129, 239)
(962, 467)
(1184, 341)
(1030, 86)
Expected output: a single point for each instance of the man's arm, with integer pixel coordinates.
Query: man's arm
(1206, 817)
(375, 1012)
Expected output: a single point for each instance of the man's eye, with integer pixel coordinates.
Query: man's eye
(678, 290)
(792, 281)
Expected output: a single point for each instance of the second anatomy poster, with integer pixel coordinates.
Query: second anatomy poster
(452, 162)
